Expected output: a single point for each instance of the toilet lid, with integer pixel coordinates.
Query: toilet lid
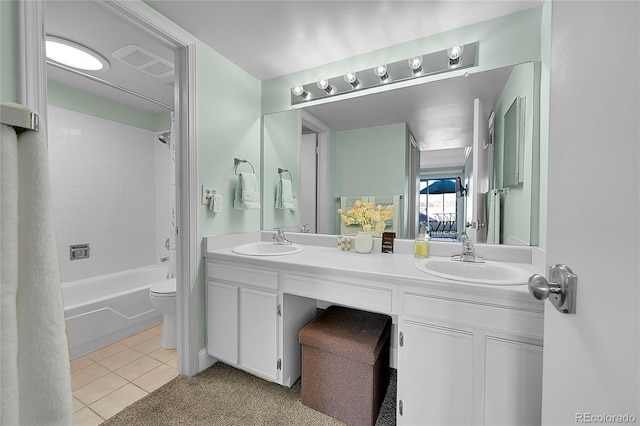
(166, 287)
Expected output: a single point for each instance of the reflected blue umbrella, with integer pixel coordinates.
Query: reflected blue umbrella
(443, 186)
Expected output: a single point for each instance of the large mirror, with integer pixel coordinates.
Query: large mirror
(401, 146)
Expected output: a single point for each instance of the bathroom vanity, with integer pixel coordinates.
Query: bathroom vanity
(466, 353)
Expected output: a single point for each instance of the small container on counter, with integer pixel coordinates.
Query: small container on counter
(344, 242)
(387, 241)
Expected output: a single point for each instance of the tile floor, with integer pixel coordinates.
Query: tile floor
(109, 379)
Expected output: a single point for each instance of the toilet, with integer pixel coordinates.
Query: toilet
(163, 298)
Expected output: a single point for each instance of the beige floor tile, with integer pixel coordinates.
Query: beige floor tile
(137, 368)
(156, 378)
(149, 345)
(156, 329)
(137, 338)
(120, 359)
(86, 417)
(107, 351)
(81, 362)
(173, 363)
(118, 400)
(99, 388)
(87, 375)
(77, 405)
(164, 355)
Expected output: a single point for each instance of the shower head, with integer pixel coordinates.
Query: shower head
(164, 137)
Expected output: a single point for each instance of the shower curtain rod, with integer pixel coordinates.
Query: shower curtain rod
(105, 82)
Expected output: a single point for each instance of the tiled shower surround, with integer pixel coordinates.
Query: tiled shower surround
(104, 178)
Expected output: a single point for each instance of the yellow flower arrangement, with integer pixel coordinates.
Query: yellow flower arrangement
(372, 219)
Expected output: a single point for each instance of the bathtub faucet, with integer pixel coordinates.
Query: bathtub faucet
(278, 237)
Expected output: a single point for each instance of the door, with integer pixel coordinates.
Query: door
(259, 333)
(482, 150)
(222, 322)
(308, 179)
(591, 358)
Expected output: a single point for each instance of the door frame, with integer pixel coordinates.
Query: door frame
(33, 93)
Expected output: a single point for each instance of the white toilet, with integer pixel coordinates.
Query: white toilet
(163, 298)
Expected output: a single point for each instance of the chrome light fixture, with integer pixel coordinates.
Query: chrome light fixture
(415, 64)
(352, 79)
(418, 66)
(324, 85)
(299, 91)
(381, 72)
(454, 53)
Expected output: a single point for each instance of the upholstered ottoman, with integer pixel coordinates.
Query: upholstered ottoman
(345, 364)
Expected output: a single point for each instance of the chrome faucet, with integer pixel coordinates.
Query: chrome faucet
(468, 251)
(279, 238)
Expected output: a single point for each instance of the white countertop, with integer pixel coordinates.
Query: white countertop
(393, 268)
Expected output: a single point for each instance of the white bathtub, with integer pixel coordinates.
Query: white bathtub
(104, 309)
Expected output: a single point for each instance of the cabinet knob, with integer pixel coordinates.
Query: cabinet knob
(560, 289)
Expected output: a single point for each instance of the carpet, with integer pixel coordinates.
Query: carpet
(225, 396)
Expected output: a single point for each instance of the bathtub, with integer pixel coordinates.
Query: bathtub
(104, 309)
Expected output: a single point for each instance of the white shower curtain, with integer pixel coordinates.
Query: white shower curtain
(35, 375)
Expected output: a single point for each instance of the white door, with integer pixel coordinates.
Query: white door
(259, 333)
(481, 171)
(591, 359)
(308, 178)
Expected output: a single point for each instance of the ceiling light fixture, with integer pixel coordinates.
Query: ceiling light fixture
(454, 53)
(388, 73)
(299, 91)
(74, 55)
(351, 78)
(381, 71)
(324, 85)
(415, 64)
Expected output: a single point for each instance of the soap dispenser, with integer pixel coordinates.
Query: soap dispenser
(422, 242)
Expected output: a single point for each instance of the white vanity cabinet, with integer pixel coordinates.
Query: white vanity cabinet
(468, 362)
(245, 325)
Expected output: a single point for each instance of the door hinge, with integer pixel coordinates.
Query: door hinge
(279, 310)
(400, 407)
(401, 339)
(279, 364)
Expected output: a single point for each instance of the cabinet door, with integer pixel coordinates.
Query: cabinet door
(259, 333)
(222, 322)
(513, 383)
(435, 376)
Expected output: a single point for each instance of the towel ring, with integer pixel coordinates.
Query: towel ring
(281, 171)
(237, 162)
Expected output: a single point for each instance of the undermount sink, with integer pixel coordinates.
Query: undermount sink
(488, 272)
(267, 249)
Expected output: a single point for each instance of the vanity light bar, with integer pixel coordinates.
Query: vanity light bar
(416, 67)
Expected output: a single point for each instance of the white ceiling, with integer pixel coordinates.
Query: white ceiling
(273, 38)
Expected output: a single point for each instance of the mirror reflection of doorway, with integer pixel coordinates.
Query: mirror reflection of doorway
(308, 179)
(438, 207)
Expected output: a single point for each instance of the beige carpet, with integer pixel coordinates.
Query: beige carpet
(222, 395)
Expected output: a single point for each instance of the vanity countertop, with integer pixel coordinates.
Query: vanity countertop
(394, 268)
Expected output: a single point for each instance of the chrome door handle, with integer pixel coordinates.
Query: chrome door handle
(560, 289)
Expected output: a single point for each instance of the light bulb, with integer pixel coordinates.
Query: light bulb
(299, 91)
(324, 85)
(454, 54)
(415, 64)
(381, 71)
(351, 78)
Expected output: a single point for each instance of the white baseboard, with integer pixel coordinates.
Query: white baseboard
(205, 360)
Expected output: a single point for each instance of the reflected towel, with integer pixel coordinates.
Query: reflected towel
(493, 217)
(284, 195)
(30, 265)
(247, 195)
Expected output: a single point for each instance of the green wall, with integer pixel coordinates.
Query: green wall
(97, 106)
(371, 161)
(9, 51)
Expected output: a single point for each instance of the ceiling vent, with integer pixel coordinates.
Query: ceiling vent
(143, 60)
